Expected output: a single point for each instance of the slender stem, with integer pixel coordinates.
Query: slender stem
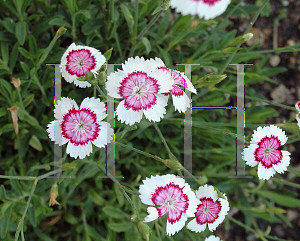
(122, 189)
(153, 20)
(26, 178)
(139, 151)
(258, 99)
(20, 98)
(240, 224)
(20, 225)
(171, 155)
(119, 46)
(131, 203)
(100, 91)
(247, 30)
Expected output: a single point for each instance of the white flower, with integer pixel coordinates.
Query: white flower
(80, 127)
(297, 105)
(206, 9)
(141, 86)
(212, 238)
(77, 60)
(168, 194)
(263, 151)
(211, 210)
(180, 100)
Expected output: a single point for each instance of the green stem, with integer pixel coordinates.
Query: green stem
(247, 30)
(26, 178)
(122, 189)
(171, 155)
(139, 151)
(136, 19)
(258, 99)
(153, 20)
(100, 91)
(240, 224)
(20, 225)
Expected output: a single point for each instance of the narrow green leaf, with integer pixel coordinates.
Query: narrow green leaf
(96, 197)
(158, 9)
(113, 212)
(9, 25)
(120, 227)
(6, 85)
(147, 44)
(5, 221)
(21, 28)
(119, 195)
(3, 196)
(25, 68)
(16, 186)
(128, 17)
(107, 54)
(28, 100)
(14, 56)
(4, 52)
(32, 44)
(280, 199)
(35, 143)
(25, 53)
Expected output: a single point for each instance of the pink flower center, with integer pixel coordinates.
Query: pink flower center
(208, 210)
(138, 90)
(170, 198)
(79, 62)
(80, 126)
(178, 80)
(209, 2)
(267, 153)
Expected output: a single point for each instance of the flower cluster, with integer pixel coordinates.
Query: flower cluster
(169, 194)
(144, 87)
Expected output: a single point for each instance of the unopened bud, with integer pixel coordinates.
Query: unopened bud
(53, 195)
(144, 230)
(102, 77)
(14, 116)
(16, 82)
(241, 39)
(89, 76)
(247, 36)
(173, 164)
(60, 31)
(166, 5)
(133, 218)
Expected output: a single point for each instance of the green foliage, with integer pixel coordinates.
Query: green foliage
(93, 207)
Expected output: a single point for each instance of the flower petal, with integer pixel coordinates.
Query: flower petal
(181, 103)
(80, 151)
(153, 214)
(284, 163)
(173, 228)
(114, 82)
(63, 106)
(248, 155)
(156, 112)
(105, 135)
(95, 105)
(128, 116)
(195, 227)
(265, 173)
(164, 80)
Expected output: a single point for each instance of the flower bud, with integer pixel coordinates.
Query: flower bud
(89, 76)
(16, 82)
(102, 77)
(173, 164)
(144, 230)
(60, 31)
(241, 39)
(133, 218)
(53, 195)
(14, 116)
